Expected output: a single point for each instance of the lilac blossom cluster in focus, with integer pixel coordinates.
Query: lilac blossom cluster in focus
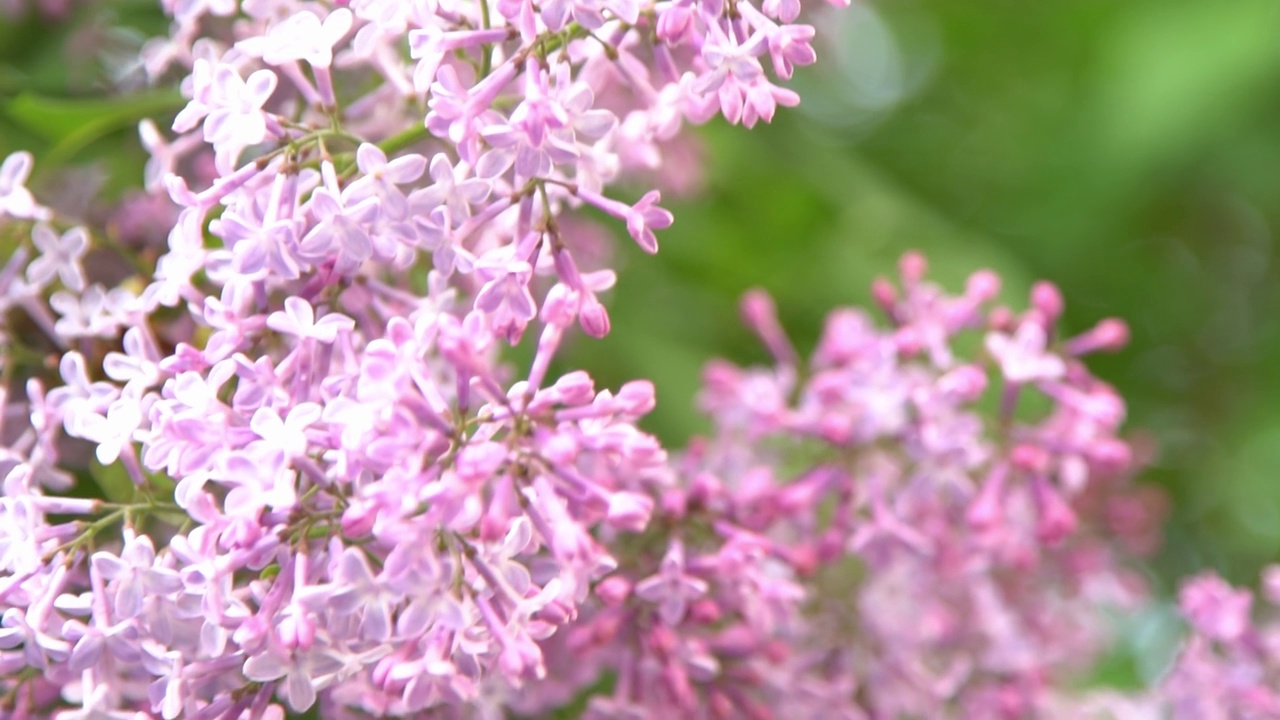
(331, 493)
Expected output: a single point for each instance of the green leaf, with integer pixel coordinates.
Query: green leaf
(72, 124)
(114, 481)
(1175, 73)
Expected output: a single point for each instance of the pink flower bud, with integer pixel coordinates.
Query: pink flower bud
(662, 640)
(613, 590)
(1111, 455)
(913, 267)
(629, 511)
(1055, 519)
(884, 294)
(985, 511)
(560, 449)
(560, 307)
(705, 611)
(593, 318)
(982, 286)
(1030, 459)
(359, 518)
(1046, 298)
(805, 559)
(966, 383)
(761, 315)
(721, 706)
(1271, 584)
(1109, 335)
(567, 269)
(478, 462)
(1001, 319)
(636, 397)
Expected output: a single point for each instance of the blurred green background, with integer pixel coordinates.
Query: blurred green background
(1128, 151)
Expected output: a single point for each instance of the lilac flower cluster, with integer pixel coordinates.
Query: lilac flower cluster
(854, 540)
(332, 487)
(1230, 665)
(261, 453)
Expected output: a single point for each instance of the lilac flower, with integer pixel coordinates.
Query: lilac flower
(15, 200)
(789, 45)
(301, 673)
(456, 109)
(114, 430)
(78, 394)
(298, 319)
(672, 588)
(301, 36)
(58, 256)
(1216, 610)
(259, 244)
(235, 119)
(452, 188)
(588, 13)
(340, 231)
(138, 365)
(642, 218)
(134, 575)
(286, 435)
(381, 178)
(431, 45)
(506, 297)
(1023, 357)
(358, 590)
(98, 702)
(21, 547)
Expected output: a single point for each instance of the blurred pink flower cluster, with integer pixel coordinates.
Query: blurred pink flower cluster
(275, 461)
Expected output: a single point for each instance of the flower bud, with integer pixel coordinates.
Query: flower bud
(613, 590)
(1046, 298)
(593, 318)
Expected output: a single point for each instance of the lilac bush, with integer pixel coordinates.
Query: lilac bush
(279, 463)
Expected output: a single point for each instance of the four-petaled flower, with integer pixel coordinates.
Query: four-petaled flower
(672, 587)
(134, 575)
(1024, 357)
(299, 319)
(59, 255)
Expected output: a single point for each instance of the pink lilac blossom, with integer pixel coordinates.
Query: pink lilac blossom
(329, 476)
(1229, 666)
(922, 562)
(323, 489)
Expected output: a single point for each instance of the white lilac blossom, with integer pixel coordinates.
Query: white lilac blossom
(321, 489)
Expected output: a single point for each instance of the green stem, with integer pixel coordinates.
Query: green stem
(403, 139)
